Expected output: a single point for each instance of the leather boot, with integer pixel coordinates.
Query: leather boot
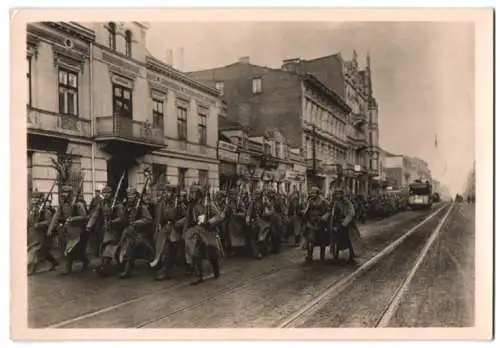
(214, 262)
(198, 271)
(102, 269)
(309, 256)
(32, 268)
(68, 265)
(162, 273)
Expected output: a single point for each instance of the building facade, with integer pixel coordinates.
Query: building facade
(354, 85)
(402, 170)
(115, 109)
(59, 116)
(310, 116)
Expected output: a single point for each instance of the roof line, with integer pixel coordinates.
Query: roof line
(182, 75)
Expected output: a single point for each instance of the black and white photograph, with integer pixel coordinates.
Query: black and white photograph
(261, 173)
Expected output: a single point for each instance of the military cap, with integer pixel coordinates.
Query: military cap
(195, 189)
(131, 191)
(169, 187)
(315, 189)
(107, 189)
(67, 188)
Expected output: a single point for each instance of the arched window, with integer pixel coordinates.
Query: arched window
(128, 43)
(112, 35)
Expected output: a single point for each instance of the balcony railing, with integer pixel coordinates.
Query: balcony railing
(359, 119)
(358, 139)
(44, 120)
(372, 125)
(310, 164)
(128, 129)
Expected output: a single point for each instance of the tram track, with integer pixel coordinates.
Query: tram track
(203, 307)
(273, 268)
(364, 298)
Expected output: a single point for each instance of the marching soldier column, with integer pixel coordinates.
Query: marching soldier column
(172, 230)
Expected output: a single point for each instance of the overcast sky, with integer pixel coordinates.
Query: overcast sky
(423, 74)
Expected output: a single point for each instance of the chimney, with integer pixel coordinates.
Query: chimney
(181, 59)
(244, 60)
(170, 57)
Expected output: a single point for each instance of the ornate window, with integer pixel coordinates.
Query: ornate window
(112, 35)
(128, 43)
(28, 78)
(203, 177)
(68, 92)
(182, 178)
(219, 85)
(202, 129)
(159, 172)
(257, 85)
(181, 123)
(158, 116)
(122, 101)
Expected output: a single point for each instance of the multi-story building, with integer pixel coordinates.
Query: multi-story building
(97, 94)
(355, 87)
(59, 115)
(309, 115)
(397, 171)
(403, 170)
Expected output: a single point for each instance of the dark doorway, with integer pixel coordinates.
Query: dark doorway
(116, 168)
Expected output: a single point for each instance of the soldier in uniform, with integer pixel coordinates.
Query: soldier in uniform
(39, 244)
(255, 211)
(96, 234)
(70, 220)
(294, 214)
(110, 220)
(168, 232)
(201, 234)
(341, 219)
(315, 215)
(134, 237)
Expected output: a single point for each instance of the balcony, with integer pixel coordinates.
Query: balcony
(121, 134)
(358, 139)
(359, 119)
(372, 126)
(56, 124)
(310, 164)
(268, 161)
(50, 130)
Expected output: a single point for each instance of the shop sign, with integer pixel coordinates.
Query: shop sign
(228, 156)
(299, 168)
(227, 146)
(244, 158)
(227, 152)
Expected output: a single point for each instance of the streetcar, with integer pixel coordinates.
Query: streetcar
(436, 197)
(420, 195)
